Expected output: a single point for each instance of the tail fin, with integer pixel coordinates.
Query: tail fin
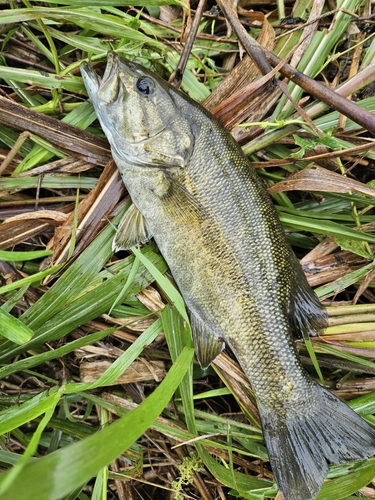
(301, 444)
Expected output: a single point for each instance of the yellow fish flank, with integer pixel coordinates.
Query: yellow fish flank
(197, 195)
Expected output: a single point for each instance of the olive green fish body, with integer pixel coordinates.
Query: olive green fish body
(227, 253)
(199, 197)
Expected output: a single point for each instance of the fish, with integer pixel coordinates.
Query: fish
(197, 194)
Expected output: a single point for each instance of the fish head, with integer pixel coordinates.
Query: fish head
(139, 114)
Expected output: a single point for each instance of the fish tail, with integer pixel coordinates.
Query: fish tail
(303, 442)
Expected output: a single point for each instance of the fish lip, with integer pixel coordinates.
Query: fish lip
(89, 75)
(111, 68)
(93, 82)
(127, 65)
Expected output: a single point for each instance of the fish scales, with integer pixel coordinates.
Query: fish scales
(247, 266)
(196, 193)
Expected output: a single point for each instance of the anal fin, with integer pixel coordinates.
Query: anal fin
(207, 345)
(131, 231)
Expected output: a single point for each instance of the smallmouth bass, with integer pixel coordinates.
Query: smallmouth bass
(197, 195)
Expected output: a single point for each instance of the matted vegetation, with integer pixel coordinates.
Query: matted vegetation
(101, 396)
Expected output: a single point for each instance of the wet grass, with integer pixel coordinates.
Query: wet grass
(101, 397)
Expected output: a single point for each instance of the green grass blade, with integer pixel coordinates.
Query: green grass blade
(50, 81)
(118, 367)
(18, 415)
(21, 256)
(48, 181)
(164, 283)
(31, 448)
(55, 475)
(357, 476)
(326, 348)
(66, 314)
(324, 227)
(228, 476)
(26, 364)
(340, 284)
(318, 51)
(120, 3)
(29, 280)
(73, 281)
(84, 17)
(178, 335)
(364, 405)
(13, 329)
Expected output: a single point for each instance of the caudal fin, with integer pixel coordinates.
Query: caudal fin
(302, 443)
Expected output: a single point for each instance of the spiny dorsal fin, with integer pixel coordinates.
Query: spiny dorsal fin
(207, 345)
(131, 231)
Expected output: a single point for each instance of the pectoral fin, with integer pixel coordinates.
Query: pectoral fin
(182, 206)
(131, 231)
(207, 345)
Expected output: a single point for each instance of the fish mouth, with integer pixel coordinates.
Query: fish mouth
(110, 85)
(107, 88)
(113, 88)
(90, 77)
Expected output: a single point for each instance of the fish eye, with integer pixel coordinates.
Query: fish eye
(145, 86)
